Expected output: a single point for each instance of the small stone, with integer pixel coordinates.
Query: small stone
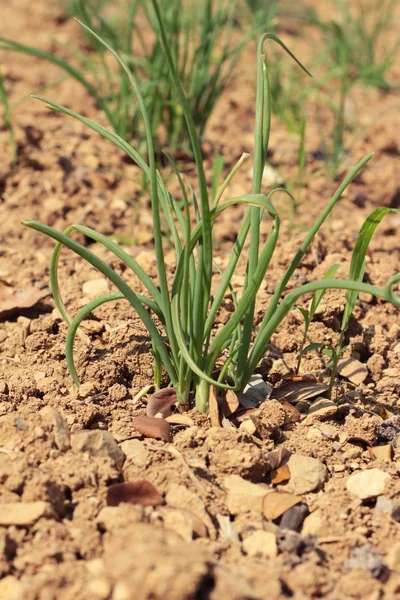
(313, 524)
(393, 558)
(95, 287)
(307, 474)
(339, 468)
(179, 496)
(243, 495)
(97, 442)
(353, 370)
(256, 391)
(185, 523)
(365, 557)
(99, 589)
(86, 390)
(368, 483)
(3, 387)
(383, 504)
(384, 453)
(248, 426)
(136, 451)
(23, 514)
(322, 409)
(54, 419)
(261, 544)
(293, 518)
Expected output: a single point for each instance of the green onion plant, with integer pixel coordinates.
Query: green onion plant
(201, 40)
(196, 355)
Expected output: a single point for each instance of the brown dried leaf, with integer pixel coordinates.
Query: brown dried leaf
(297, 390)
(161, 402)
(213, 408)
(280, 474)
(229, 403)
(14, 301)
(152, 427)
(277, 503)
(133, 492)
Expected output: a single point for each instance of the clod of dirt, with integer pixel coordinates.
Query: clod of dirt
(136, 451)
(384, 453)
(275, 504)
(243, 496)
(183, 522)
(23, 514)
(307, 474)
(231, 451)
(366, 558)
(97, 442)
(269, 419)
(161, 402)
(95, 287)
(363, 429)
(367, 484)
(261, 544)
(389, 430)
(152, 427)
(353, 370)
(178, 496)
(133, 492)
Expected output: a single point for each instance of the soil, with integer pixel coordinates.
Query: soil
(59, 536)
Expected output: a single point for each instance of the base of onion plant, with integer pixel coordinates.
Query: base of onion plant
(189, 347)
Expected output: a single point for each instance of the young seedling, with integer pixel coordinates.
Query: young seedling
(190, 347)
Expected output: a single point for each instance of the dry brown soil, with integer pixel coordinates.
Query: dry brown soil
(211, 536)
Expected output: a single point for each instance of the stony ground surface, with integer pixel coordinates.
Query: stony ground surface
(299, 497)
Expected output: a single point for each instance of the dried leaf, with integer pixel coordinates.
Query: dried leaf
(161, 402)
(280, 474)
(134, 492)
(213, 408)
(152, 427)
(230, 403)
(181, 420)
(16, 300)
(277, 503)
(294, 391)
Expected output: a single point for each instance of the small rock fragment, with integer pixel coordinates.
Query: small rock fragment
(293, 518)
(152, 427)
(97, 442)
(366, 557)
(86, 390)
(243, 495)
(313, 524)
(184, 522)
(280, 475)
(261, 544)
(368, 483)
(275, 504)
(353, 370)
(178, 496)
(53, 418)
(256, 391)
(133, 492)
(136, 451)
(95, 287)
(248, 426)
(269, 419)
(384, 453)
(307, 474)
(23, 514)
(322, 409)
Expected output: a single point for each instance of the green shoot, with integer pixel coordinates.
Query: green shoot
(8, 120)
(186, 342)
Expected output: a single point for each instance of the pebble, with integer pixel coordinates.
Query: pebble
(178, 496)
(59, 426)
(322, 409)
(243, 495)
(95, 287)
(256, 391)
(366, 557)
(23, 513)
(261, 544)
(368, 483)
(353, 370)
(97, 442)
(135, 451)
(306, 474)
